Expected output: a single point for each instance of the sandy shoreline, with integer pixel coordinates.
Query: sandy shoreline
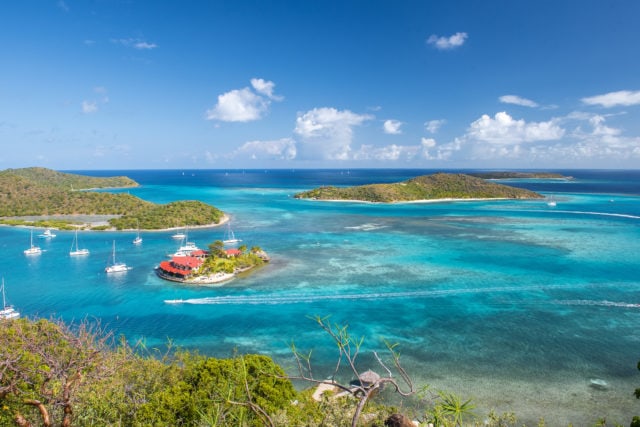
(102, 220)
(446, 200)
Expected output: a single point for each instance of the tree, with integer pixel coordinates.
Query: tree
(368, 383)
(43, 364)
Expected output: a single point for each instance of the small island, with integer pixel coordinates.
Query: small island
(518, 175)
(42, 197)
(439, 186)
(196, 266)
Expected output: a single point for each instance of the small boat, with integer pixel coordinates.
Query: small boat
(7, 312)
(179, 235)
(138, 239)
(47, 234)
(116, 267)
(75, 249)
(230, 237)
(551, 202)
(33, 249)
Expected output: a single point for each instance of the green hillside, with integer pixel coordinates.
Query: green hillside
(43, 192)
(427, 187)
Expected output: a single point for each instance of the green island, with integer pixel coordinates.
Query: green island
(439, 186)
(518, 175)
(218, 264)
(45, 198)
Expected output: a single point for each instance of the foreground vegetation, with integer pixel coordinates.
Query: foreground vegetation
(428, 187)
(53, 374)
(42, 192)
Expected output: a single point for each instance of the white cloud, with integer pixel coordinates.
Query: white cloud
(613, 99)
(244, 105)
(391, 152)
(135, 43)
(327, 133)
(392, 127)
(447, 43)
(281, 149)
(503, 129)
(434, 125)
(517, 100)
(265, 88)
(89, 107)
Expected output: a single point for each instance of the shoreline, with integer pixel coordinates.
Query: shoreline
(101, 222)
(444, 200)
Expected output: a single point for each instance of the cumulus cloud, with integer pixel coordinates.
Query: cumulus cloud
(432, 126)
(447, 43)
(244, 105)
(391, 152)
(517, 100)
(613, 99)
(503, 129)
(392, 127)
(281, 149)
(327, 133)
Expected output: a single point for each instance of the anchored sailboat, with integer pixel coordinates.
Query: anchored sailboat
(75, 249)
(230, 237)
(33, 249)
(116, 267)
(7, 312)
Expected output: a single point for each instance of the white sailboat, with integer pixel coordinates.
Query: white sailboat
(7, 312)
(75, 249)
(230, 237)
(116, 267)
(180, 235)
(33, 249)
(138, 239)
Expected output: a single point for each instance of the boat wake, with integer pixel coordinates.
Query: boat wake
(311, 298)
(367, 227)
(603, 303)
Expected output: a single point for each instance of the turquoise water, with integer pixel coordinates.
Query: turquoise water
(514, 303)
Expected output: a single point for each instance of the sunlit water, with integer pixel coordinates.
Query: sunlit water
(514, 303)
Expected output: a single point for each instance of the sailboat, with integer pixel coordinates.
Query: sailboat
(179, 235)
(7, 312)
(33, 249)
(230, 237)
(138, 239)
(116, 267)
(75, 250)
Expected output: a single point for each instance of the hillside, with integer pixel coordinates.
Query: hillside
(427, 187)
(44, 192)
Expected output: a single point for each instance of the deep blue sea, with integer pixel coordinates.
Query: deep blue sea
(516, 304)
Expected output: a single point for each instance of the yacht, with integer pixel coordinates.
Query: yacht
(75, 249)
(47, 234)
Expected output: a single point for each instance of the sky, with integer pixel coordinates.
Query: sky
(241, 84)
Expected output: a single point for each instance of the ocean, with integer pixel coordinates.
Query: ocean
(516, 304)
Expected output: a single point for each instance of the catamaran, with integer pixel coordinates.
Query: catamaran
(116, 267)
(33, 249)
(75, 249)
(7, 312)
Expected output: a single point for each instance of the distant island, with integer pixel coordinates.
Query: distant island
(439, 186)
(518, 175)
(43, 197)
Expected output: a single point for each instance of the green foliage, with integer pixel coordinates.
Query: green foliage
(431, 187)
(451, 410)
(39, 191)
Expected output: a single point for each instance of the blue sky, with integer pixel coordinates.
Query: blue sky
(122, 84)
